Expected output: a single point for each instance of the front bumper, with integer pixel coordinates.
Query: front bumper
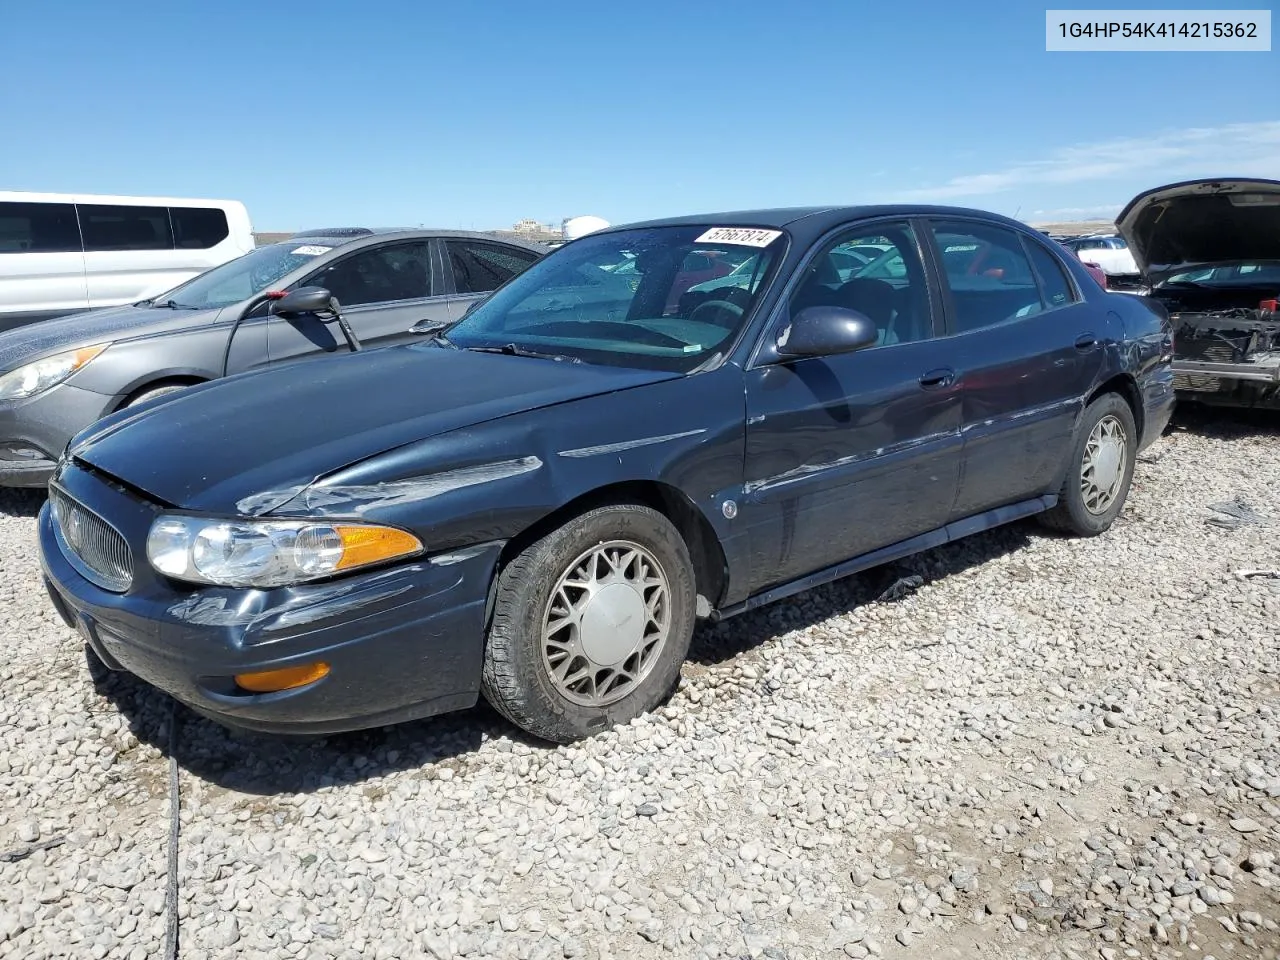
(402, 642)
(46, 423)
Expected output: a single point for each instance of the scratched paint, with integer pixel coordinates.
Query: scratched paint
(360, 498)
(627, 444)
(808, 469)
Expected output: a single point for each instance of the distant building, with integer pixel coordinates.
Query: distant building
(529, 225)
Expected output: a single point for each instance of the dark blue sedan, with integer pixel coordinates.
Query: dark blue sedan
(537, 503)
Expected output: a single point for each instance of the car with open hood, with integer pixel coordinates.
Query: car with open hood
(538, 502)
(1209, 251)
(59, 376)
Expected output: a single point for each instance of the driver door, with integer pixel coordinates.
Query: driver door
(849, 453)
(383, 290)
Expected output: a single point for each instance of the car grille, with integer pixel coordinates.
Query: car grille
(94, 547)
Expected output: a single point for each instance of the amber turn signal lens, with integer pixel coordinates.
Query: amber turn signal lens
(364, 545)
(286, 678)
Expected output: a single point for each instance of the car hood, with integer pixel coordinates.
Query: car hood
(1181, 225)
(32, 341)
(211, 447)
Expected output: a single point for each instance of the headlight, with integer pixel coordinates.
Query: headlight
(36, 377)
(269, 553)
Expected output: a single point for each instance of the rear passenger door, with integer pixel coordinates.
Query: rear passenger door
(383, 290)
(1026, 348)
(477, 267)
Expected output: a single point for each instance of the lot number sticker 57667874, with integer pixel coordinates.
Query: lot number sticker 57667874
(743, 236)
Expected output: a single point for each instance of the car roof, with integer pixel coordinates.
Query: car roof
(815, 220)
(341, 236)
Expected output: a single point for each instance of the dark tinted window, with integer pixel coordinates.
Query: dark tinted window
(891, 289)
(481, 267)
(107, 227)
(197, 228)
(378, 275)
(988, 272)
(1053, 280)
(38, 228)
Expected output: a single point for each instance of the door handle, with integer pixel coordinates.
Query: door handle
(1086, 341)
(942, 377)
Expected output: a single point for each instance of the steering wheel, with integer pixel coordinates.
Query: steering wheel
(715, 311)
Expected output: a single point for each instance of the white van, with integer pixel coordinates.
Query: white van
(63, 253)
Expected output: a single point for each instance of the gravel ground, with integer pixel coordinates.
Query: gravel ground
(1053, 748)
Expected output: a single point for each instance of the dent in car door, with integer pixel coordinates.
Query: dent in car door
(846, 454)
(383, 291)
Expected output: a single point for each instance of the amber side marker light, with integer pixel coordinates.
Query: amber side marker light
(286, 678)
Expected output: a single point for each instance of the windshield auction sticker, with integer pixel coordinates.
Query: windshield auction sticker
(1152, 30)
(742, 236)
(311, 250)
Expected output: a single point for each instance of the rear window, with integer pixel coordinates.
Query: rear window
(38, 228)
(107, 227)
(198, 228)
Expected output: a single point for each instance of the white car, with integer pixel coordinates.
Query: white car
(67, 253)
(1110, 253)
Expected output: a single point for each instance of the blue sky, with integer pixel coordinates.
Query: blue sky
(473, 115)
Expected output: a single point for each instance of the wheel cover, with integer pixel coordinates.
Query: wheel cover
(606, 623)
(1103, 467)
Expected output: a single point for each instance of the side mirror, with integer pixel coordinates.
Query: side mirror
(303, 300)
(823, 331)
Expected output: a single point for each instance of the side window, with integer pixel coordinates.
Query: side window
(38, 228)
(198, 228)
(1054, 284)
(107, 227)
(481, 267)
(896, 297)
(989, 275)
(399, 271)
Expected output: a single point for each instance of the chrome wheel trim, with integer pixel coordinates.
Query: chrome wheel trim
(1103, 467)
(607, 620)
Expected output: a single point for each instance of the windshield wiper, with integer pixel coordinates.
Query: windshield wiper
(175, 305)
(515, 350)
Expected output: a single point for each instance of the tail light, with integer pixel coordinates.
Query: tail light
(1270, 306)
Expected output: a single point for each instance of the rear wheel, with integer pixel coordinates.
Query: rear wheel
(591, 624)
(1100, 471)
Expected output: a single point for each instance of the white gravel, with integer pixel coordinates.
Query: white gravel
(1054, 748)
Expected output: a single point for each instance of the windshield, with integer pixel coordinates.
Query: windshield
(1248, 274)
(638, 298)
(243, 277)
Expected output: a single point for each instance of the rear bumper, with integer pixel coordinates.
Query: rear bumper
(1158, 401)
(401, 643)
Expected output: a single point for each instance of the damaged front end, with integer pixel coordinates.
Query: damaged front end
(1210, 250)
(1229, 355)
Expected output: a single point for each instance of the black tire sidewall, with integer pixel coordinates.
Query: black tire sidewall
(524, 587)
(1081, 519)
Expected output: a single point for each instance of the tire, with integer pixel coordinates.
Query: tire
(517, 677)
(1079, 511)
(151, 394)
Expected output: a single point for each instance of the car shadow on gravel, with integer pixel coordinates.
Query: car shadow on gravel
(730, 638)
(1224, 423)
(262, 765)
(20, 503)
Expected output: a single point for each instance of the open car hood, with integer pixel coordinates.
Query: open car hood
(1182, 225)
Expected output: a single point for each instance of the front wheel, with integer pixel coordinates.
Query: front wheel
(591, 624)
(1100, 471)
